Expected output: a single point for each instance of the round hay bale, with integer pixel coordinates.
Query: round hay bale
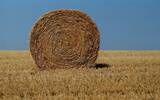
(64, 39)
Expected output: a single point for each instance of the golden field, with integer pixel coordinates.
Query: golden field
(118, 75)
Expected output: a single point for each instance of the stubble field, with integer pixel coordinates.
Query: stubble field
(118, 75)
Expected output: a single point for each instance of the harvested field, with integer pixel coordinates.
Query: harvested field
(119, 75)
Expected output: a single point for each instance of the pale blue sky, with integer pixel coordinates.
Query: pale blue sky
(124, 24)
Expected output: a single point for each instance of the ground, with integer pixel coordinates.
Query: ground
(119, 75)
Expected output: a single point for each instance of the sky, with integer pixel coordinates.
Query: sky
(123, 24)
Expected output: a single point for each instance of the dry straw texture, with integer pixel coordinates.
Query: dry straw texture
(64, 39)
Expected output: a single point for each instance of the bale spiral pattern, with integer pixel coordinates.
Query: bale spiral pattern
(64, 39)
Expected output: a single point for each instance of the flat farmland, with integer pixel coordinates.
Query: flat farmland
(118, 75)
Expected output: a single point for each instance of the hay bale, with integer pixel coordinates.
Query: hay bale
(64, 39)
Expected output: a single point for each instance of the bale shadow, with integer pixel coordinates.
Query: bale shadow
(101, 65)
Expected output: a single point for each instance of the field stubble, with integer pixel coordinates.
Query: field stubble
(120, 75)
